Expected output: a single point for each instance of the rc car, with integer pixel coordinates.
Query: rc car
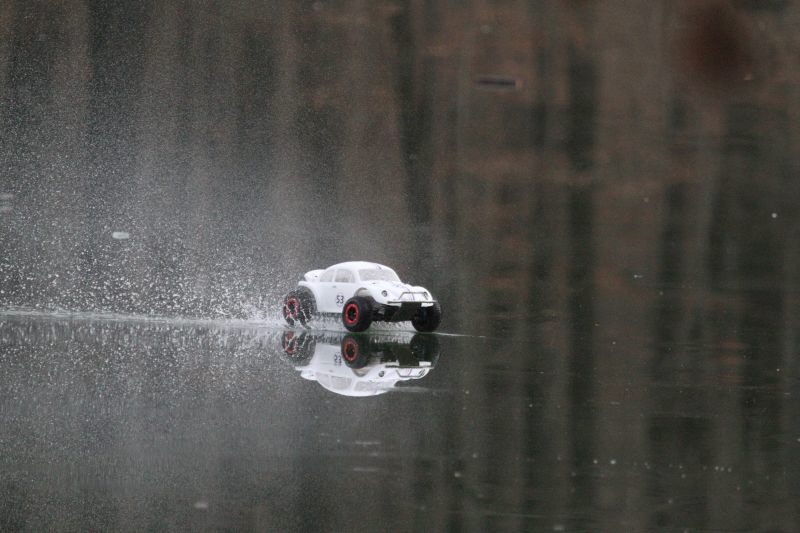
(359, 364)
(361, 293)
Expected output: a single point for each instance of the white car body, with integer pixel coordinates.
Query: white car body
(320, 357)
(333, 286)
(327, 369)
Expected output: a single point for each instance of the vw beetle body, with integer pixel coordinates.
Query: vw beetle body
(355, 364)
(361, 292)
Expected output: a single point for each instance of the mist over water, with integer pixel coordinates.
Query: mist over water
(603, 197)
(159, 161)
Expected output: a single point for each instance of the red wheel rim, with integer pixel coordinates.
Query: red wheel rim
(288, 341)
(289, 344)
(291, 308)
(350, 350)
(351, 313)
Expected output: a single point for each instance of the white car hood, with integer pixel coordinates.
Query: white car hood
(394, 288)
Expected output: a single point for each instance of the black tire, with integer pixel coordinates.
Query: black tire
(299, 306)
(297, 346)
(428, 319)
(291, 308)
(357, 313)
(308, 304)
(355, 351)
(425, 348)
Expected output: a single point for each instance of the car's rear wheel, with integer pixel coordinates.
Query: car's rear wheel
(291, 308)
(427, 319)
(299, 306)
(357, 313)
(297, 346)
(308, 305)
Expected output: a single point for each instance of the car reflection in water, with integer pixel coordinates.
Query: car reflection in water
(360, 364)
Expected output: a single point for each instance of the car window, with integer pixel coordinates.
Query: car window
(327, 276)
(373, 274)
(345, 276)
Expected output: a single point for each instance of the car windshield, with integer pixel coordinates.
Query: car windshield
(374, 274)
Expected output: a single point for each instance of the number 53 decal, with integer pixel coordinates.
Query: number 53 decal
(340, 299)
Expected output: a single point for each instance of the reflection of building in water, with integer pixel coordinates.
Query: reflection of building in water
(361, 364)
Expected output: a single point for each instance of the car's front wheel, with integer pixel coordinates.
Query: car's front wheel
(357, 313)
(355, 351)
(428, 319)
(424, 348)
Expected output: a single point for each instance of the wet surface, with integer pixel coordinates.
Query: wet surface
(132, 424)
(603, 197)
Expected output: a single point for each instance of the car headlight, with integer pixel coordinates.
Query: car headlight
(426, 295)
(385, 294)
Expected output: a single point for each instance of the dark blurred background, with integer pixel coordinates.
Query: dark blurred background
(502, 154)
(608, 189)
